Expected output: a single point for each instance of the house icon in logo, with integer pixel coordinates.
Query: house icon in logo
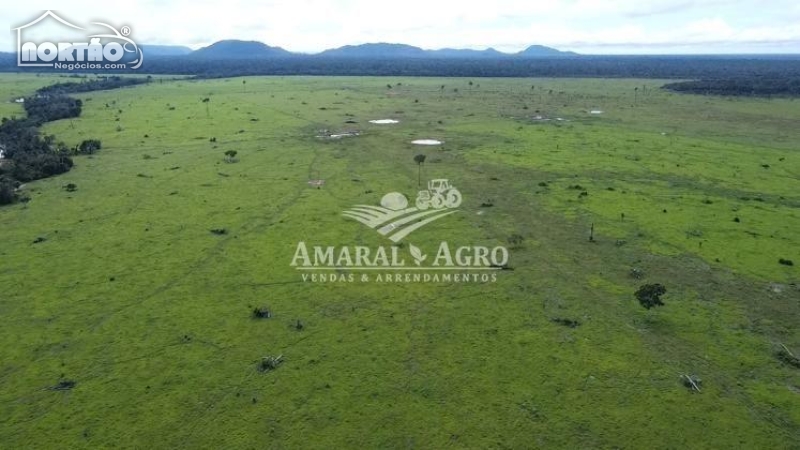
(30, 46)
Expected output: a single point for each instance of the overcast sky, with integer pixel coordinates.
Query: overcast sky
(585, 26)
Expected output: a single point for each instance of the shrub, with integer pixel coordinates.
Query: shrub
(261, 313)
(64, 385)
(515, 240)
(7, 191)
(649, 295)
(269, 363)
(637, 273)
(787, 357)
(89, 146)
(566, 322)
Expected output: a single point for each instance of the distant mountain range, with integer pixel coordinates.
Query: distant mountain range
(233, 49)
(232, 58)
(236, 49)
(255, 51)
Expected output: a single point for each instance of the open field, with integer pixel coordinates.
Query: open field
(131, 296)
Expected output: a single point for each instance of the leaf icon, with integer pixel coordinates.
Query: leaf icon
(417, 254)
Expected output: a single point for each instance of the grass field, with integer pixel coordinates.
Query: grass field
(132, 297)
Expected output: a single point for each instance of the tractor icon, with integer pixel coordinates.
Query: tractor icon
(440, 194)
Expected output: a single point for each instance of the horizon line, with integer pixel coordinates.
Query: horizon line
(568, 50)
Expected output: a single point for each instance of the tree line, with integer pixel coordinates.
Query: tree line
(605, 67)
(729, 75)
(27, 154)
(755, 86)
(674, 67)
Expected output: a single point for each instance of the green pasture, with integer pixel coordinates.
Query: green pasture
(129, 293)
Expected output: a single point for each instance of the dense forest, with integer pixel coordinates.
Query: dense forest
(758, 86)
(606, 67)
(754, 75)
(27, 155)
(668, 67)
(99, 84)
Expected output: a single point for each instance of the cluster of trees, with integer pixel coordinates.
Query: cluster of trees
(608, 67)
(649, 295)
(42, 108)
(28, 155)
(585, 66)
(7, 190)
(787, 85)
(88, 147)
(97, 84)
(676, 67)
(767, 75)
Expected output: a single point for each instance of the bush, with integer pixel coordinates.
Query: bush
(566, 322)
(637, 273)
(261, 313)
(89, 146)
(7, 191)
(649, 295)
(64, 385)
(515, 240)
(787, 357)
(269, 363)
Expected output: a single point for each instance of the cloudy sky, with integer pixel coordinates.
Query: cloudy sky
(585, 26)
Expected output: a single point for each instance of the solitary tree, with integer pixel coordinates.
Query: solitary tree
(419, 159)
(230, 155)
(89, 146)
(7, 191)
(207, 101)
(649, 295)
